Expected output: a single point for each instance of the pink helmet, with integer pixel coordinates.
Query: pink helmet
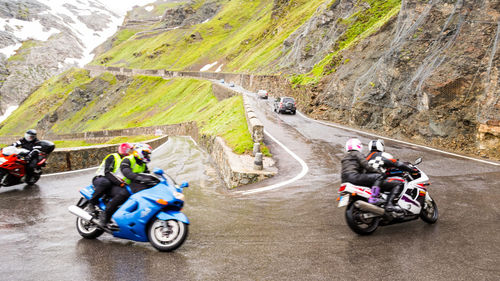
(353, 144)
(125, 149)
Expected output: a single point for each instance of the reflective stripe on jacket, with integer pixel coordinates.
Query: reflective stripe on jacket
(102, 168)
(136, 168)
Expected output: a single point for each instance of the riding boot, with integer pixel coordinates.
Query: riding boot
(103, 219)
(28, 179)
(375, 194)
(91, 208)
(389, 207)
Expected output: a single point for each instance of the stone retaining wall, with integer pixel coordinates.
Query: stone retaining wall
(75, 158)
(489, 136)
(234, 169)
(188, 128)
(254, 124)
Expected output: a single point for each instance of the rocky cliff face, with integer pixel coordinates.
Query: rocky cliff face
(429, 74)
(39, 39)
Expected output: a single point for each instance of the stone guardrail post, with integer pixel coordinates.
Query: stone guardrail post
(256, 148)
(258, 164)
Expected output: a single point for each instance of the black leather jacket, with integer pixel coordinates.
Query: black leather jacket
(355, 163)
(29, 145)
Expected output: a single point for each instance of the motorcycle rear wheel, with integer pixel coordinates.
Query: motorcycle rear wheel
(87, 229)
(359, 224)
(168, 235)
(429, 212)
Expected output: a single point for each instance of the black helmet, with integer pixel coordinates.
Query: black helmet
(30, 135)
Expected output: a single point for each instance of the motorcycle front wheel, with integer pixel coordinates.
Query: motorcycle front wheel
(167, 235)
(87, 229)
(359, 224)
(429, 212)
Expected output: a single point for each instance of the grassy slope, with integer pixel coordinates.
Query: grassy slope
(242, 34)
(359, 26)
(147, 101)
(44, 100)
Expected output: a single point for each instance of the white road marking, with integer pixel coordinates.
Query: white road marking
(399, 141)
(302, 173)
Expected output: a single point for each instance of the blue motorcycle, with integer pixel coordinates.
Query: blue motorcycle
(152, 214)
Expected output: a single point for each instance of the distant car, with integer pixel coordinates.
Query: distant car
(222, 81)
(285, 104)
(231, 84)
(262, 94)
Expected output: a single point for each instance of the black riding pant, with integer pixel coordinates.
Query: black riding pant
(101, 186)
(388, 184)
(361, 179)
(118, 196)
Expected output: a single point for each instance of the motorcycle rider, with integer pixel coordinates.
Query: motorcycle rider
(30, 143)
(380, 160)
(355, 166)
(107, 181)
(132, 171)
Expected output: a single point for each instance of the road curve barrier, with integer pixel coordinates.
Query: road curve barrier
(76, 158)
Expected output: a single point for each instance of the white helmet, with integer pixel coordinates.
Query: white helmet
(353, 144)
(376, 145)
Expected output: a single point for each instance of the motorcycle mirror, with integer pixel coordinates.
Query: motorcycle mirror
(418, 161)
(158, 171)
(184, 184)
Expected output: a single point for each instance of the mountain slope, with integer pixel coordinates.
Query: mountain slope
(77, 102)
(41, 38)
(419, 70)
(241, 36)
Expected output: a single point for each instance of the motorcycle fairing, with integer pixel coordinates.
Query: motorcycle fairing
(88, 191)
(173, 215)
(135, 214)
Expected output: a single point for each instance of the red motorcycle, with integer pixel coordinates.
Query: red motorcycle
(13, 162)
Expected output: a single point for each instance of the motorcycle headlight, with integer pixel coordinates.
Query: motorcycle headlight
(178, 196)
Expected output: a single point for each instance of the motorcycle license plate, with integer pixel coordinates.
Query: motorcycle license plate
(344, 199)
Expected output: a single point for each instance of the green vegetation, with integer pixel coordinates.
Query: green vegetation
(23, 51)
(243, 35)
(123, 35)
(159, 9)
(359, 26)
(45, 100)
(145, 101)
(117, 140)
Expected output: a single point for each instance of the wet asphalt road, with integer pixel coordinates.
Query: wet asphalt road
(295, 232)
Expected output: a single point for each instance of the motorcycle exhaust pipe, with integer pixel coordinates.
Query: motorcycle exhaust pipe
(79, 212)
(365, 206)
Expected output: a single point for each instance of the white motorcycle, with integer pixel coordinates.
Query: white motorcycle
(413, 202)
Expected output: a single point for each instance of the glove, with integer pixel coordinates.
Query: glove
(140, 178)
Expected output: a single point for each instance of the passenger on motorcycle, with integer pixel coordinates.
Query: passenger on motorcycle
(355, 166)
(382, 161)
(132, 171)
(31, 143)
(108, 182)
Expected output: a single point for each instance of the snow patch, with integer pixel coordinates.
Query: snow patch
(8, 112)
(114, 9)
(149, 8)
(10, 50)
(25, 30)
(208, 66)
(219, 68)
(92, 38)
